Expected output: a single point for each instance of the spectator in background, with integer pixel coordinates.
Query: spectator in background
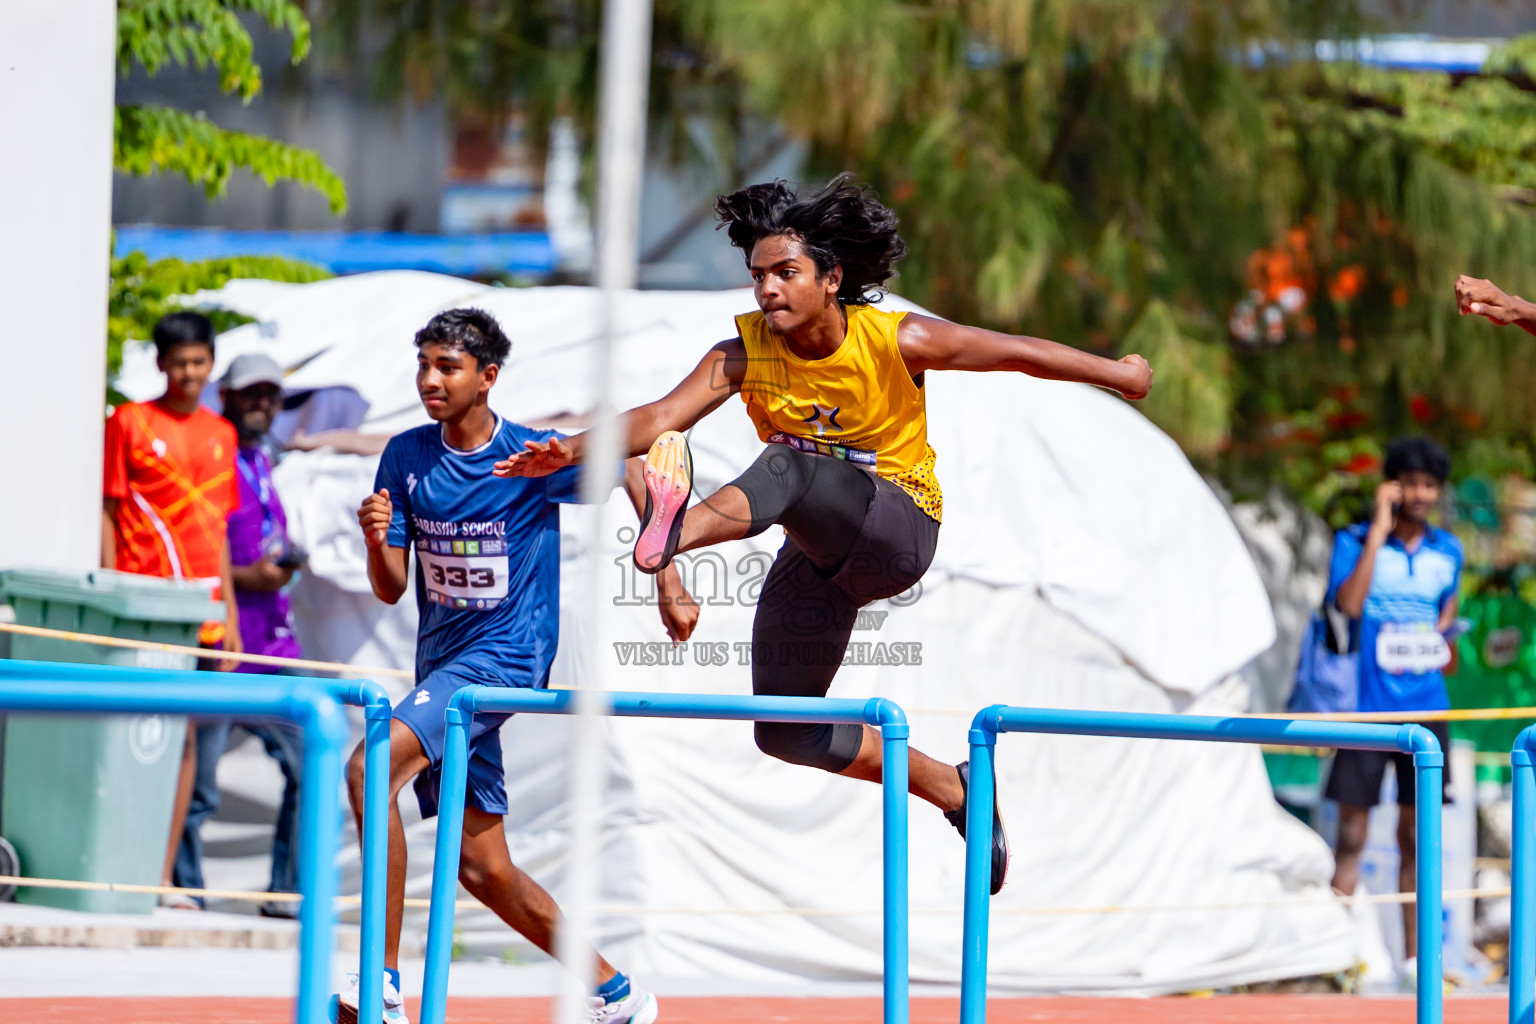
(168, 484)
(263, 562)
(1396, 578)
(1484, 298)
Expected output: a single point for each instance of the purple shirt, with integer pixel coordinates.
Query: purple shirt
(259, 529)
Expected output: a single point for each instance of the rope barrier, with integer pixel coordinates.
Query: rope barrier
(204, 652)
(1390, 717)
(239, 895)
(1460, 714)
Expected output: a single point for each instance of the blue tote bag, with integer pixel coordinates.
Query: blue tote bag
(1328, 671)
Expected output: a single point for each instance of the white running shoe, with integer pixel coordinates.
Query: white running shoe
(344, 1004)
(639, 1007)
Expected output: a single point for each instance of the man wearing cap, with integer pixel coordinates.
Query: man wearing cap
(263, 561)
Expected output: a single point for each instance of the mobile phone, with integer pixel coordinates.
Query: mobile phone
(293, 557)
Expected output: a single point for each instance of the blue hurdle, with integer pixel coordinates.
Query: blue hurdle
(1428, 762)
(97, 689)
(374, 701)
(472, 700)
(1522, 876)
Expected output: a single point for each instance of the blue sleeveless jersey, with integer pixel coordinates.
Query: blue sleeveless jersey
(486, 551)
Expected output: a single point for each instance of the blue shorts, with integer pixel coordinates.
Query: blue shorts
(425, 711)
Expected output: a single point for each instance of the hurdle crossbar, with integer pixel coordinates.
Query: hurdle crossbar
(472, 700)
(51, 687)
(1428, 763)
(360, 693)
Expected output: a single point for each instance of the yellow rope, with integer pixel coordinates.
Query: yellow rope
(630, 909)
(203, 652)
(1455, 715)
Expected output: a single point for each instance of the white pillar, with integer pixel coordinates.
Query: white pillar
(57, 75)
(624, 78)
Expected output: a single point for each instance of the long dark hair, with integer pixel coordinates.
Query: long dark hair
(839, 225)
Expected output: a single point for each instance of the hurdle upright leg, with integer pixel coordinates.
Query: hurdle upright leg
(319, 814)
(1522, 875)
(894, 754)
(978, 876)
(1428, 766)
(445, 858)
(375, 845)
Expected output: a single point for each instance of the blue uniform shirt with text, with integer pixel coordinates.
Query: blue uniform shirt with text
(486, 550)
(1408, 592)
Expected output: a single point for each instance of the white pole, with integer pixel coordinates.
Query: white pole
(623, 85)
(57, 74)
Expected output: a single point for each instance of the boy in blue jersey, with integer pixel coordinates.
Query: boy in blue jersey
(487, 579)
(1396, 578)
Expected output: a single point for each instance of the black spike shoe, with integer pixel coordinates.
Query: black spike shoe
(999, 836)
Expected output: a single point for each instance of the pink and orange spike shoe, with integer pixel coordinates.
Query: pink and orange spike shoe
(668, 485)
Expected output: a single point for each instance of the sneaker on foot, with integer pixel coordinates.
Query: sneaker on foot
(999, 836)
(639, 1007)
(668, 485)
(343, 1009)
(181, 901)
(281, 910)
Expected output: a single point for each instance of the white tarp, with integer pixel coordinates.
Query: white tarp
(1082, 563)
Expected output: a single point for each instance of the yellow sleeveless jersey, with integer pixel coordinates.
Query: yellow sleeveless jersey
(859, 404)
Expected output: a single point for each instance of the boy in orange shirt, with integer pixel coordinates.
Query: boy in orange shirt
(168, 483)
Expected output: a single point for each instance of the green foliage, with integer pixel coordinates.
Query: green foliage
(150, 139)
(143, 291)
(1192, 391)
(208, 34)
(1103, 172)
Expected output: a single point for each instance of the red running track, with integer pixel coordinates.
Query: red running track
(1245, 1009)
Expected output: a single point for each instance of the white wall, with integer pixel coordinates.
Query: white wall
(57, 71)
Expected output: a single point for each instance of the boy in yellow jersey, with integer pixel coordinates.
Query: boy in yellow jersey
(835, 389)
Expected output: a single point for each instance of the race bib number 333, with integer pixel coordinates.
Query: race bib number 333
(464, 575)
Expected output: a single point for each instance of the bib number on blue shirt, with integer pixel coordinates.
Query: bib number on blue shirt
(1416, 647)
(474, 582)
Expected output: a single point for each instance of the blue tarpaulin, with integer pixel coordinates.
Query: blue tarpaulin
(352, 252)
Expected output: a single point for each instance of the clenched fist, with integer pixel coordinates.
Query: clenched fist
(374, 515)
(1138, 378)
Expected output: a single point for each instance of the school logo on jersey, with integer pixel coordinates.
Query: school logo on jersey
(822, 417)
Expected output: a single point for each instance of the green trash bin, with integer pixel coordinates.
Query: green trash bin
(90, 799)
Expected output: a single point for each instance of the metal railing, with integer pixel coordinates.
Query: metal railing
(473, 700)
(1522, 879)
(97, 689)
(1428, 762)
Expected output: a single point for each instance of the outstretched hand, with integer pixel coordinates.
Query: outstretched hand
(1484, 298)
(1138, 378)
(541, 459)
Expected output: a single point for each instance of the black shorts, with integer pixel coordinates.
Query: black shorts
(1356, 777)
(825, 572)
